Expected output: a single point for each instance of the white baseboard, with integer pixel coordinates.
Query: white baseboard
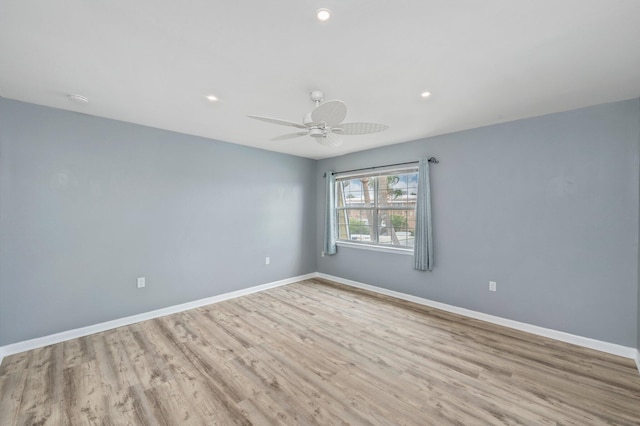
(40, 342)
(611, 348)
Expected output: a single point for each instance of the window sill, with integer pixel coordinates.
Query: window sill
(371, 247)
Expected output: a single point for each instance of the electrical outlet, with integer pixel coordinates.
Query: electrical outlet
(267, 260)
(141, 282)
(492, 286)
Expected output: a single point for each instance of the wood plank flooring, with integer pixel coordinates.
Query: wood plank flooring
(316, 353)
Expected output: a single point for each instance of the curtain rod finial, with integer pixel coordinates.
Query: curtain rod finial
(433, 160)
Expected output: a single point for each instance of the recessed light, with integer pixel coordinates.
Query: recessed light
(425, 95)
(212, 98)
(323, 15)
(78, 98)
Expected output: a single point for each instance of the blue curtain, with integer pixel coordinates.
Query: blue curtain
(330, 215)
(423, 243)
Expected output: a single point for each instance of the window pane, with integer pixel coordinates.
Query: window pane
(355, 224)
(397, 190)
(357, 192)
(396, 227)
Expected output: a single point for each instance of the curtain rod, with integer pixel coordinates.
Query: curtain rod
(431, 160)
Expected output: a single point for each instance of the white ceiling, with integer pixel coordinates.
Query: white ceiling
(153, 62)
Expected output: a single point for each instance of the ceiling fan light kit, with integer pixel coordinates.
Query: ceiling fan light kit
(316, 133)
(324, 123)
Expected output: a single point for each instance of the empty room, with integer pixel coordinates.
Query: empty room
(319, 212)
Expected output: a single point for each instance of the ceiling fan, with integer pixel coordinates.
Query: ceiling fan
(324, 123)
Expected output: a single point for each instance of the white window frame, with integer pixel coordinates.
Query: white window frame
(376, 208)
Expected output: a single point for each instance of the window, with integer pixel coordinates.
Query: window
(377, 209)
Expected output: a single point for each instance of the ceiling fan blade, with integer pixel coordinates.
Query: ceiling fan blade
(331, 112)
(289, 136)
(360, 128)
(278, 121)
(330, 140)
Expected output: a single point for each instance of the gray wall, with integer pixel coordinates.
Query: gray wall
(547, 207)
(87, 205)
(638, 341)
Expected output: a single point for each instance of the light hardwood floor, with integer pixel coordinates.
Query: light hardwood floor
(316, 353)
